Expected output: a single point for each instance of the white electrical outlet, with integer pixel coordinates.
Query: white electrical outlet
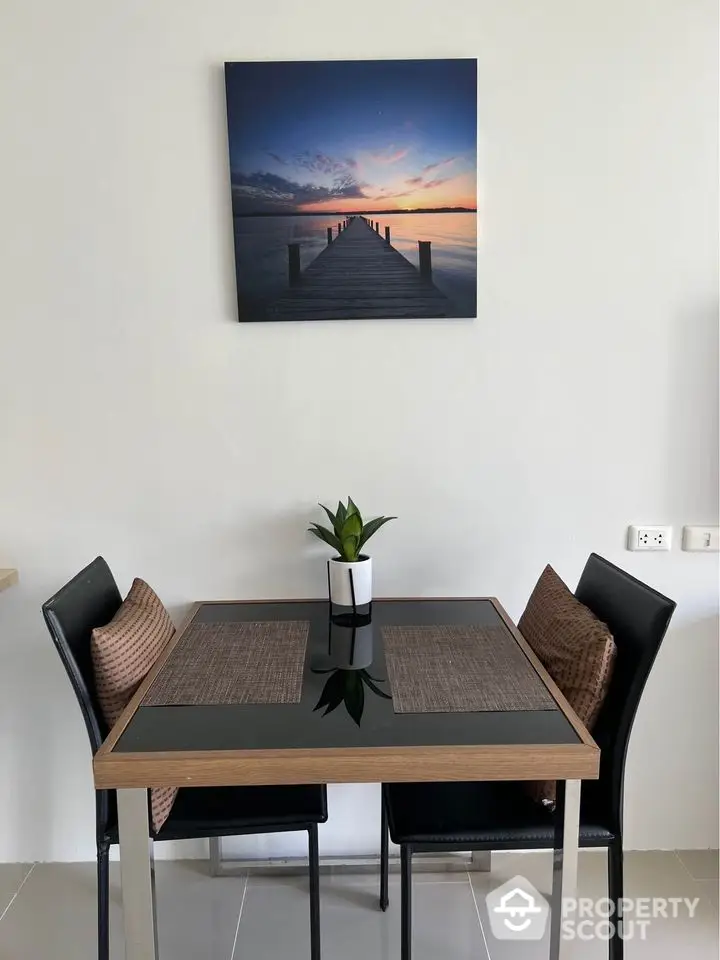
(649, 538)
(702, 539)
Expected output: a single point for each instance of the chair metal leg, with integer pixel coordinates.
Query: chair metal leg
(384, 857)
(615, 893)
(314, 868)
(103, 900)
(405, 902)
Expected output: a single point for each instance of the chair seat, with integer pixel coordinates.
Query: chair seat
(223, 811)
(488, 815)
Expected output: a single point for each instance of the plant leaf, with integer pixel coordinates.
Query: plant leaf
(335, 519)
(372, 527)
(341, 512)
(352, 508)
(352, 527)
(331, 515)
(322, 533)
(349, 549)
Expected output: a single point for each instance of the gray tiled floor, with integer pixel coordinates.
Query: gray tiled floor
(700, 864)
(12, 877)
(49, 912)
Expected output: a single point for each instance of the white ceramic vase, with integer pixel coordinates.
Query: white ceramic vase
(341, 592)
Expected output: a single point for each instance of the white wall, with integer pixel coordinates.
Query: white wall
(137, 419)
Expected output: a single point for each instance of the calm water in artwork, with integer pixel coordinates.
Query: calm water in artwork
(262, 254)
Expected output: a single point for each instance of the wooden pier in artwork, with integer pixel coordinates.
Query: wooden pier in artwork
(360, 275)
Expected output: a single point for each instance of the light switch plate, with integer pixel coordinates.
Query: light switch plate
(701, 539)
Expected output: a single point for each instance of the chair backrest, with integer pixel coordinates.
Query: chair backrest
(638, 618)
(91, 599)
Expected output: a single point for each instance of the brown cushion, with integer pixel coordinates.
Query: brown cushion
(123, 653)
(576, 649)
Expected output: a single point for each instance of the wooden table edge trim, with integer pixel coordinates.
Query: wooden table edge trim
(570, 715)
(352, 765)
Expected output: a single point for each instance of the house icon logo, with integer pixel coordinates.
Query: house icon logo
(517, 911)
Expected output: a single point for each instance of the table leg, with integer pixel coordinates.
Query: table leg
(137, 871)
(215, 846)
(565, 864)
(481, 860)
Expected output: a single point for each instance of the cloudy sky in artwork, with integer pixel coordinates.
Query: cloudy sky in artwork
(352, 135)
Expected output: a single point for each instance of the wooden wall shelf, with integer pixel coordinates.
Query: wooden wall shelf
(8, 578)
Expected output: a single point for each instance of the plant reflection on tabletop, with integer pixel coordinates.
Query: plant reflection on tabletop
(347, 662)
(348, 686)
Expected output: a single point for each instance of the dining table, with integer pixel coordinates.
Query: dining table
(293, 691)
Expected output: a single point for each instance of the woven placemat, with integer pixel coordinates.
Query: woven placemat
(222, 663)
(460, 669)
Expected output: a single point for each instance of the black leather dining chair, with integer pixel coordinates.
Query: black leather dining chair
(90, 600)
(426, 817)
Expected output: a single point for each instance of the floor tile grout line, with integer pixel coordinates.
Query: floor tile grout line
(17, 892)
(697, 883)
(685, 866)
(477, 911)
(687, 870)
(438, 883)
(240, 913)
(368, 883)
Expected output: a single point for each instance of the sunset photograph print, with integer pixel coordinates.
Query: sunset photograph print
(353, 188)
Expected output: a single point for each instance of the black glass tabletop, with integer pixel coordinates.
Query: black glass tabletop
(345, 698)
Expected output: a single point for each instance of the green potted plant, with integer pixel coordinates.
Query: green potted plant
(350, 572)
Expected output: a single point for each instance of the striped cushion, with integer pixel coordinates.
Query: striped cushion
(576, 649)
(123, 652)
